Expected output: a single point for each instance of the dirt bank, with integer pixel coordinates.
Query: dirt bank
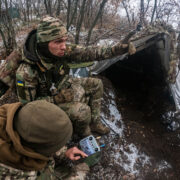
(145, 149)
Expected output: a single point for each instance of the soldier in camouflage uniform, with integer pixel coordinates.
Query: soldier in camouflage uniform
(27, 144)
(44, 74)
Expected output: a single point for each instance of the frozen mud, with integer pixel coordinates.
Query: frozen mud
(127, 154)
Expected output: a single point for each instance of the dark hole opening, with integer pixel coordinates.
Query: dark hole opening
(141, 85)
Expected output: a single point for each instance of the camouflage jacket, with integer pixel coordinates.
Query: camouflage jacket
(35, 79)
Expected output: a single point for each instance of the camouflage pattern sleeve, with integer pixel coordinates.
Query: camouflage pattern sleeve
(78, 53)
(9, 173)
(61, 153)
(27, 83)
(8, 67)
(48, 172)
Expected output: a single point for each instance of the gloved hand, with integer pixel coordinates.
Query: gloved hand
(64, 96)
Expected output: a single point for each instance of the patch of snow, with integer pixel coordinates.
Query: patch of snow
(72, 29)
(105, 42)
(2, 62)
(129, 158)
(173, 126)
(21, 38)
(133, 156)
(111, 94)
(19, 23)
(113, 125)
(124, 155)
(163, 165)
(113, 117)
(34, 16)
(128, 165)
(117, 155)
(83, 33)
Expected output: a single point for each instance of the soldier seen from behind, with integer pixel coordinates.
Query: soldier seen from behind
(29, 136)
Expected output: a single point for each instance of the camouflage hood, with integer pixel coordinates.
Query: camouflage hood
(29, 49)
(31, 55)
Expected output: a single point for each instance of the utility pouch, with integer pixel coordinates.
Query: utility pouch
(65, 90)
(64, 84)
(67, 94)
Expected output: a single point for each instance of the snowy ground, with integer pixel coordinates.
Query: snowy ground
(105, 42)
(122, 159)
(123, 155)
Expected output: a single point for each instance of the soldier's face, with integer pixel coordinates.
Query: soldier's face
(57, 47)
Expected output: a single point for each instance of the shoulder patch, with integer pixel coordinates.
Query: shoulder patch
(20, 83)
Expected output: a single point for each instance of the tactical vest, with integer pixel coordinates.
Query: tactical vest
(52, 80)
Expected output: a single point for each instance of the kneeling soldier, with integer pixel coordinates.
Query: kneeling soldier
(29, 136)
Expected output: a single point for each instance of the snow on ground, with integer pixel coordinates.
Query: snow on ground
(72, 30)
(105, 42)
(2, 62)
(21, 38)
(163, 165)
(113, 117)
(127, 156)
(133, 156)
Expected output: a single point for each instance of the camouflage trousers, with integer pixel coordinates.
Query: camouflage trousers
(9, 173)
(86, 104)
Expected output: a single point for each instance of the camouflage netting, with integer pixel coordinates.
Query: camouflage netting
(165, 30)
(137, 39)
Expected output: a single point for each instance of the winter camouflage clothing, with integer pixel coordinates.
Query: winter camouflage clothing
(50, 29)
(76, 53)
(168, 31)
(9, 173)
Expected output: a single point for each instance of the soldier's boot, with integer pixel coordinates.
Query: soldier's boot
(86, 132)
(100, 128)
